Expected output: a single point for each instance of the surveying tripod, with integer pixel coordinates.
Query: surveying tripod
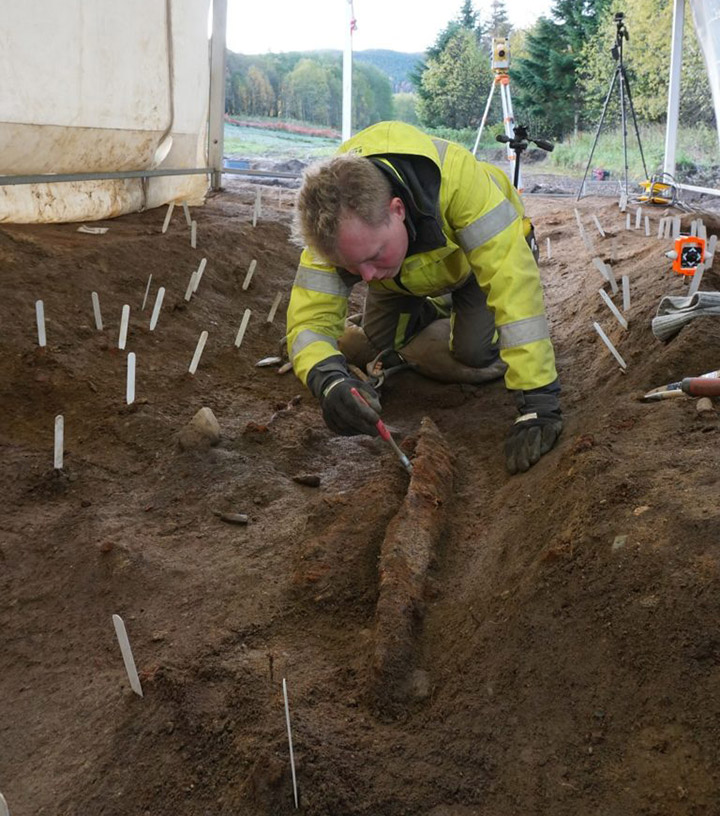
(500, 65)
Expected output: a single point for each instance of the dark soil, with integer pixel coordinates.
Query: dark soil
(569, 629)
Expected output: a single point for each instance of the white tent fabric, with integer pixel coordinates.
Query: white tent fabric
(706, 15)
(102, 86)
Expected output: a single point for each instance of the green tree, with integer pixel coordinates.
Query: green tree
(405, 105)
(499, 24)
(306, 93)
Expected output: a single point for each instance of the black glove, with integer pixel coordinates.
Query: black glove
(536, 429)
(346, 414)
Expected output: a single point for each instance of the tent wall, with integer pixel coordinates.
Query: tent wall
(102, 86)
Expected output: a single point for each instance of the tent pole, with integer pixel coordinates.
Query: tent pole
(673, 107)
(216, 120)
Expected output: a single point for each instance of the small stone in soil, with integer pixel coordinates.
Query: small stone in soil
(309, 479)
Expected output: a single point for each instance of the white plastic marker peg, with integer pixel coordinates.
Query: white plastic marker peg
(191, 285)
(59, 442)
(168, 216)
(661, 228)
(598, 225)
(696, 279)
(623, 202)
(127, 654)
(124, 320)
(290, 744)
(156, 309)
(186, 210)
(147, 292)
(96, 311)
(198, 352)
(130, 384)
(193, 235)
(274, 307)
(199, 273)
(549, 248)
(250, 273)
(606, 272)
(710, 254)
(647, 225)
(613, 308)
(626, 292)
(608, 343)
(243, 325)
(4, 811)
(627, 221)
(40, 317)
(638, 217)
(676, 227)
(256, 208)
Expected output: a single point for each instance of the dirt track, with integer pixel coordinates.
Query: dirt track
(569, 649)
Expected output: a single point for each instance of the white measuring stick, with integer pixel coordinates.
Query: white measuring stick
(186, 210)
(290, 744)
(250, 273)
(626, 292)
(156, 309)
(274, 307)
(243, 325)
(127, 654)
(130, 384)
(598, 225)
(59, 443)
(608, 343)
(549, 248)
(696, 280)
(627, 221)
(256, 208)
(147, 292)
(193, 235)
(96, 311)
(613, 308)
(168, 216)
(647, 225)
(40, 317)
(124, 320)
(191, 285)
(199, 273)
(198, 352)
(638, 217)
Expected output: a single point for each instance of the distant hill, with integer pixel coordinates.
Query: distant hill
(398, 65)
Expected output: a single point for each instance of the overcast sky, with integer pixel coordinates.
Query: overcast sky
(259, 26)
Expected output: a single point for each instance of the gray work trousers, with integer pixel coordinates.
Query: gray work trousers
(391, 320)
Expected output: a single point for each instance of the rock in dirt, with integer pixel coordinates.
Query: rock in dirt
(405, 556)
(201, 432)
(308, 479)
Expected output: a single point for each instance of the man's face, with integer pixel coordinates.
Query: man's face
(373, 253)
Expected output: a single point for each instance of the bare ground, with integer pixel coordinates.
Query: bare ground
(566, 655)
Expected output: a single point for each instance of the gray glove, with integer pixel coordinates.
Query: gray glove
(537, 428)
(346, 414)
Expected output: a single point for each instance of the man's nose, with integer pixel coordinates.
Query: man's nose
(367, 271)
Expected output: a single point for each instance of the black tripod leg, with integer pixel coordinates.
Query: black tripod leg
(637, 131)
(599, 127)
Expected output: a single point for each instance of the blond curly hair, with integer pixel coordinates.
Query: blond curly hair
(333, 189)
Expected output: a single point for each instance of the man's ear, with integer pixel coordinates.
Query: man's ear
(397, 208)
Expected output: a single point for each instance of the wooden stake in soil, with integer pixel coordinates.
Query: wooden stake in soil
(198, 352)
(130, 382)
(96, 311)
(274, 307)
(598, 225)
(186, 210)
(40, 319)
(147, 292)
(127, 654)
(626, 293)
(256, 208)
(250, 273)
(290, 744)
(168, 216)
(615, 353)
(156, 309)
(199, 273)
(193, 235)
(613, 308)
(59, 443)
(549, 249)
(124, 320)
(243, 325)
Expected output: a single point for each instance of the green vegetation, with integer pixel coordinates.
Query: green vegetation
(255, 141)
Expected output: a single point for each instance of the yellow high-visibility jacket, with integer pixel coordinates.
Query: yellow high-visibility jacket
(469, 220)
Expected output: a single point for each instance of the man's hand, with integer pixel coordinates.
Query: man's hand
(535, 431)
(347, 415)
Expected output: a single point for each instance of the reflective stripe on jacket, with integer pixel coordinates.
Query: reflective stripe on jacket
(484, 229)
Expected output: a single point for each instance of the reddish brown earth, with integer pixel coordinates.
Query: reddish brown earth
(562, 672)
